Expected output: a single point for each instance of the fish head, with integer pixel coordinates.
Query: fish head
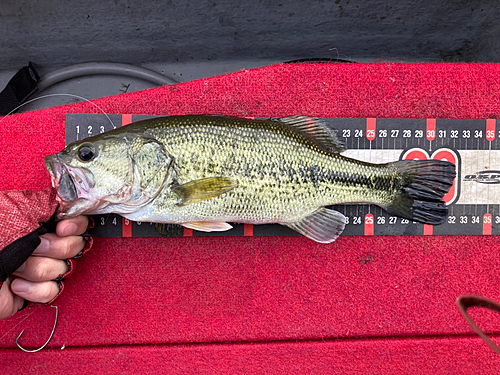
(108, 174)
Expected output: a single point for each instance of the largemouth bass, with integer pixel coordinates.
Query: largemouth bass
(205, 171)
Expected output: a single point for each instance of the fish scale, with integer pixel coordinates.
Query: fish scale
(270, 194)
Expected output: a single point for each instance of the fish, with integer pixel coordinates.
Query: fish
(207, 171)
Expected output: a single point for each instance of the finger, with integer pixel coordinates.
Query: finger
(41, 292)
(10, 303)
(53, 246)
(41, 269)
(72, 227)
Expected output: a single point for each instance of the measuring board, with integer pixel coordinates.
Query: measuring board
(473, 201)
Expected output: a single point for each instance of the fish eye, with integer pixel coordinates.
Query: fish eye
(86, 153)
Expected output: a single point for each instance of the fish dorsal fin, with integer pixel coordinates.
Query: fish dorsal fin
(324, 225)
(203, 189)
(324, 136)
(208, 226)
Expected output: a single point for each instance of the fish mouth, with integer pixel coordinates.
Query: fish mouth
(61, 180)
(73, 186)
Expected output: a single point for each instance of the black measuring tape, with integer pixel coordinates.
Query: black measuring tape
(472, 145)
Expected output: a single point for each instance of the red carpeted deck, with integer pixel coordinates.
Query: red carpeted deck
(267, 305)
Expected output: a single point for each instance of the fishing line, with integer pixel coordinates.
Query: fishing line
(53, 95)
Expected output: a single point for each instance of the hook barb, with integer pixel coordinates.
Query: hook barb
(46, 343)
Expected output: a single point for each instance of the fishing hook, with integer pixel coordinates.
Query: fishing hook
(44, 345)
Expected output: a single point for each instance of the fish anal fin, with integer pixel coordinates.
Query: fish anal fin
(324, 225)
(203, 189)
(317, 130)
(208, 226)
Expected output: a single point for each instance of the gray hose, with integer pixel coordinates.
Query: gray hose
(99, 68)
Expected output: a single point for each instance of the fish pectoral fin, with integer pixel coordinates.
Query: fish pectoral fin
(203, 189)
(317, 130)
(208, 226)
(324, 225)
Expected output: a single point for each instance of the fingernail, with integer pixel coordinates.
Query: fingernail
(20, 285)
(70, 229)
(23, 266)
(43, 247)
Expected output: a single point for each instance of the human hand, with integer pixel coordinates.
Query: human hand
(34, 280)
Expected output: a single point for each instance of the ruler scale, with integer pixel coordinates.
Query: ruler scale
(472, 144)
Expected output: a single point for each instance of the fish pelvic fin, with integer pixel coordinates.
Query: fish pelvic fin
(324, 225)
(317, 130)
(208, 226)
(203, 189)
(423, 184)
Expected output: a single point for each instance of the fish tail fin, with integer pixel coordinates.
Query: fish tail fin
(422, 185)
